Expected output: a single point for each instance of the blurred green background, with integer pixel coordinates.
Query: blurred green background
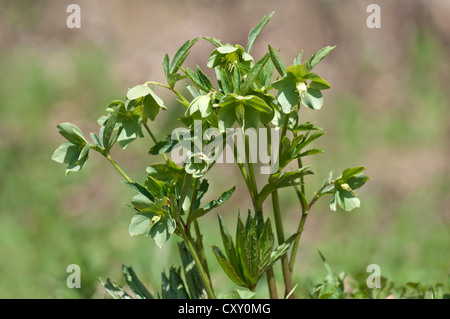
(388, 110)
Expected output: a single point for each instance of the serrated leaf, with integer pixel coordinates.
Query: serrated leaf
(312, 151)
(319, 55)
(253, 74)
(172, 287)
(193, 279)
(279, 65)
(115, 290)
(227, 267)
(135, 284)
(181, 55)
(281, 250)
(211, 205)
(254, 33)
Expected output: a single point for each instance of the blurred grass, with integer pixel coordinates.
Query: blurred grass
(49, 221)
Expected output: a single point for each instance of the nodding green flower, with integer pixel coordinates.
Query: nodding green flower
(300, 85)
(246, 110)
(198, 165)
(344, 189)
(227, 57)
(201, 104)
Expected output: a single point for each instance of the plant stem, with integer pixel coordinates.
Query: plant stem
(117, 167)
(181, 97)
(301, 225)
(271, 283)
(251, 171)
(201, 248)
(244, 173)
(191, 246)
(154, 139)
(280, 234)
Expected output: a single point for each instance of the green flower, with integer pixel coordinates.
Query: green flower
(75, 152)
(228, 56)
(344, 187)
(201, 104)
(245, 110)
(198, 165)
(300, 85)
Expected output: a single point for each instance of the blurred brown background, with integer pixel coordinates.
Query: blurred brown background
(388, 110)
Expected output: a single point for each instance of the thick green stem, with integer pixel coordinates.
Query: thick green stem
(251, 170)
(201, 248)
(244, 173)
(117, 167)
(203, 274)
(280, 234)
(271, 283)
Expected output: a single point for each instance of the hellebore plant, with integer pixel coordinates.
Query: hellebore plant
(246, 94)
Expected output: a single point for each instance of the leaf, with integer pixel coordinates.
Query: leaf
(115, 290)
(280, 180)
(109, 127)
(312, 151)
(245, 294)
(193, 279)
(213, 41)
(298, 59)
(308, 126)
(254, 33)
(194, 77)
(317, 83)
(229, 246)
(288, 98)
(243, 254)
(131, 129)
(204, 79)
(357, 181)
(164, 146)
(281, 250)
(253, 74)
(279, 65)
(319, 55)
(135, 284)
(72, 133)
(141, 190)
(181, 55)
(66, 153)
(173, 287)
(227, 267)
(211, 205)
(168, 172)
